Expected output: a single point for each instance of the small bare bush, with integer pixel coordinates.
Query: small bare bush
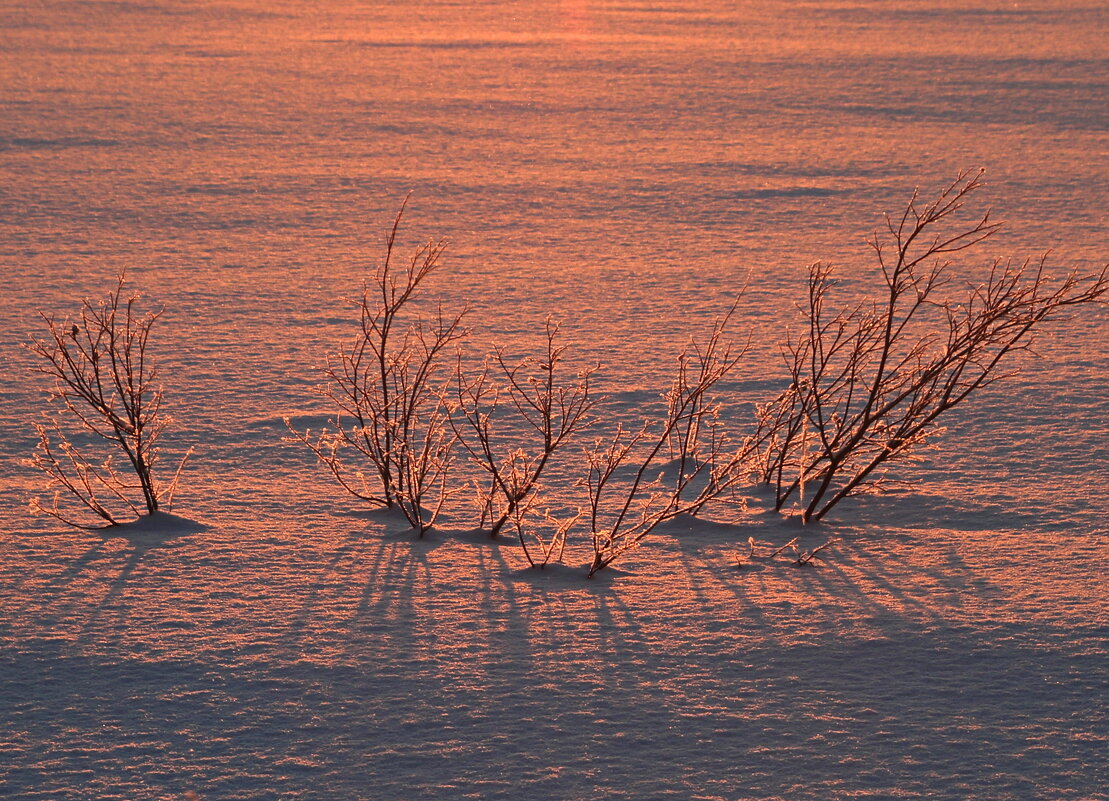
(868, 383)
(531, 395)
(703, 463)
(104, 380)
(387, 390)
(542, 536)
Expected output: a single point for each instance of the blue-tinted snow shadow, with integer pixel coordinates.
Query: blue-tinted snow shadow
(148, 531)
(969, 699)
(863, 564)
(390, 524)
(905, 510)
(155, 529)
(915, 511)
(144, 535)
(559, 576)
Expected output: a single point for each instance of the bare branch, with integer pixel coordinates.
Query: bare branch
(871, 381)
(531, 395)
(386, 387)
(703, 463)
(103, 380)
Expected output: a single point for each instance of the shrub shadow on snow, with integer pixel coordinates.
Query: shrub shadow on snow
(758, 523)
(149, 530)
(881, 515)
(869, 571)
(560, 575)
(478, 536)
(111, 565)
(157, 526)
(931, 511)
(390, 524)
(378, 514)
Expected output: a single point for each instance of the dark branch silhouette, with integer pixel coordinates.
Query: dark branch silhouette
(386, 387)
(105, 381)
(868, 383)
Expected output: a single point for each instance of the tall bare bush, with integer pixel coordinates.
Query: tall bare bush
(869, 382)
(388, 391)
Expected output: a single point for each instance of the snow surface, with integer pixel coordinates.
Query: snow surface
(626, 167)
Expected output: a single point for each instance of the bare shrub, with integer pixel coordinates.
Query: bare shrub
(800, 558)
(868, 383)
(703, 463)
(104, 380)
(542, 536)
(387, 390)
(533, 396)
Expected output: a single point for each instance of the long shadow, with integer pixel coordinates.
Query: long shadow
(313, 595)
(369, 575)
(751, 578)
(937, 511)
(367, 526)
(114, 591)
(844, 572)
(862, 576)
(737, 587)
(399, 577)
(584, 643)
(834, 579)
(63, 579)
(142, 536)
(961, 579)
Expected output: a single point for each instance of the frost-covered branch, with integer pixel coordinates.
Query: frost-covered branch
(386, 388)
(868, 383)
(105, 382)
